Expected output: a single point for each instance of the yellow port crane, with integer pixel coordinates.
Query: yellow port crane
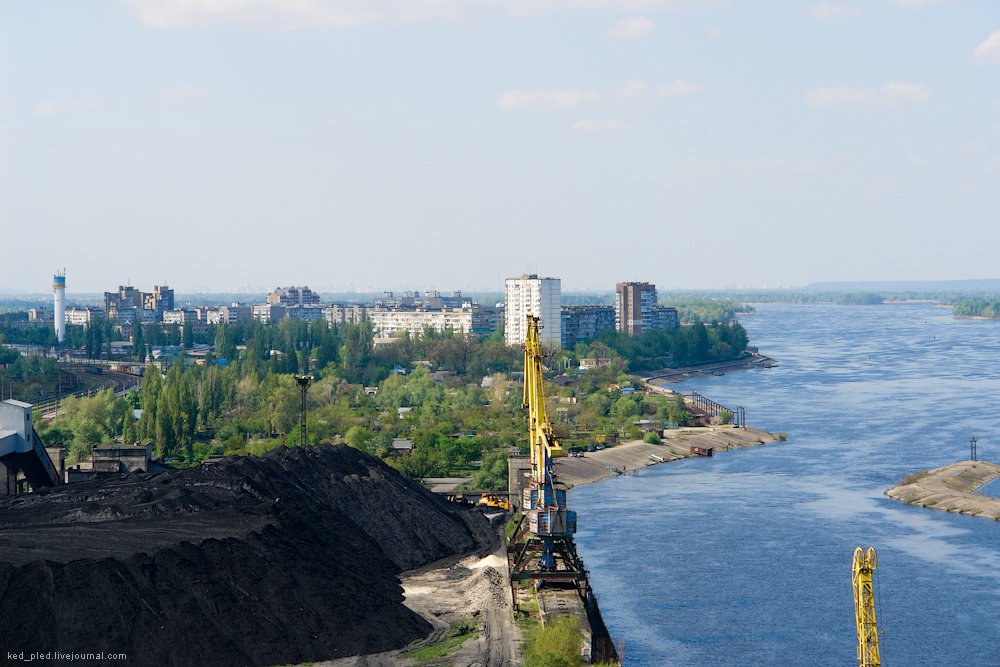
(544, 501)
(541, 440)
(865, 561)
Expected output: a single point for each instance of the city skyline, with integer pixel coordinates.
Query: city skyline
(717, 144)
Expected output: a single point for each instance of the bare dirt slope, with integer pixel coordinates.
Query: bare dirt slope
(288, 558)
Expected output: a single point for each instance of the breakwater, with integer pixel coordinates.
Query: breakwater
(951, 488)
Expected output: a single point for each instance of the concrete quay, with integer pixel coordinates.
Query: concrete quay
(630, 456)
(951, 489)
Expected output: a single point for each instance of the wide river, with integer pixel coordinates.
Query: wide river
(745, 558)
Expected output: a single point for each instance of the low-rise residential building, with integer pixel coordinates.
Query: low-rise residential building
(401, 447)
(663, 318)
(83, 316)
(393, 322)
(235, 313)
(41, 315)
(345, 313)
(582, 324)
(180, 316)
(306, 313)
(268, 312)
(588, 363)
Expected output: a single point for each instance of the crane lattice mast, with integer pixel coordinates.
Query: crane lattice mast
(544, 502)
(864, 607)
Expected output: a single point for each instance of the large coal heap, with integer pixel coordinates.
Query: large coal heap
(288, 558)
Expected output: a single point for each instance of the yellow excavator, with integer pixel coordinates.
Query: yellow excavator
(496, 500)
(865, 561)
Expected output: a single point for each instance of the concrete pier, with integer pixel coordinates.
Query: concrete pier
(951, 488)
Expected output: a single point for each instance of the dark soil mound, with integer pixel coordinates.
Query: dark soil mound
(251, 561)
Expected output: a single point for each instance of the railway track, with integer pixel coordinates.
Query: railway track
(93, 381)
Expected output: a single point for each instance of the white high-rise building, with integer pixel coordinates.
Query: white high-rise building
(59, 299)
(531, 295)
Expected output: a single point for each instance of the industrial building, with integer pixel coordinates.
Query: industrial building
(24, 461)
(114, 460)
(531, 295)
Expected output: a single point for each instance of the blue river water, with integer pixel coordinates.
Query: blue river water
(745, 558)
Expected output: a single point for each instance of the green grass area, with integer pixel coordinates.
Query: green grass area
(526, 614)
(460, 632)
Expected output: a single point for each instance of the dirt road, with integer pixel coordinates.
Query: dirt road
(474, 591)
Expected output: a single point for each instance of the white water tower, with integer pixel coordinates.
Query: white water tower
(59, 316)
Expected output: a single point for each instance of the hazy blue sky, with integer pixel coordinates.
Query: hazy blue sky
(217, 144)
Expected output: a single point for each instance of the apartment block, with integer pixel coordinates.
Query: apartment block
(582, 324)
(292, 296)
(392, 322)
(531, 295)
(345, 313)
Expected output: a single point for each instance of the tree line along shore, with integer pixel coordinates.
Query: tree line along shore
(454, 399)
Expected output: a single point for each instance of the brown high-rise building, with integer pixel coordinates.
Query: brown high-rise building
(633, 304)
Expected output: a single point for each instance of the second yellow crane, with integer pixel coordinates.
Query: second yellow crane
(865, 561)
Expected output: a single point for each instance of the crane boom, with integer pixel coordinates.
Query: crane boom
(541, 440)
(865, 561)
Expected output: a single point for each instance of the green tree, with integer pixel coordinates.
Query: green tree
(138, 347)
(130, 433)
(99, 339)
(625, 408)
(225, 348)
(149, 397)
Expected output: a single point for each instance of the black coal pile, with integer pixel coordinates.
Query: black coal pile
(283, 559)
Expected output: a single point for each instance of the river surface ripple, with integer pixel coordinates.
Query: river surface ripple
(745, 558)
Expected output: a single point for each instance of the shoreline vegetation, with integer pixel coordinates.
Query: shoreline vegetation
(436, 404)
(951, 488)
